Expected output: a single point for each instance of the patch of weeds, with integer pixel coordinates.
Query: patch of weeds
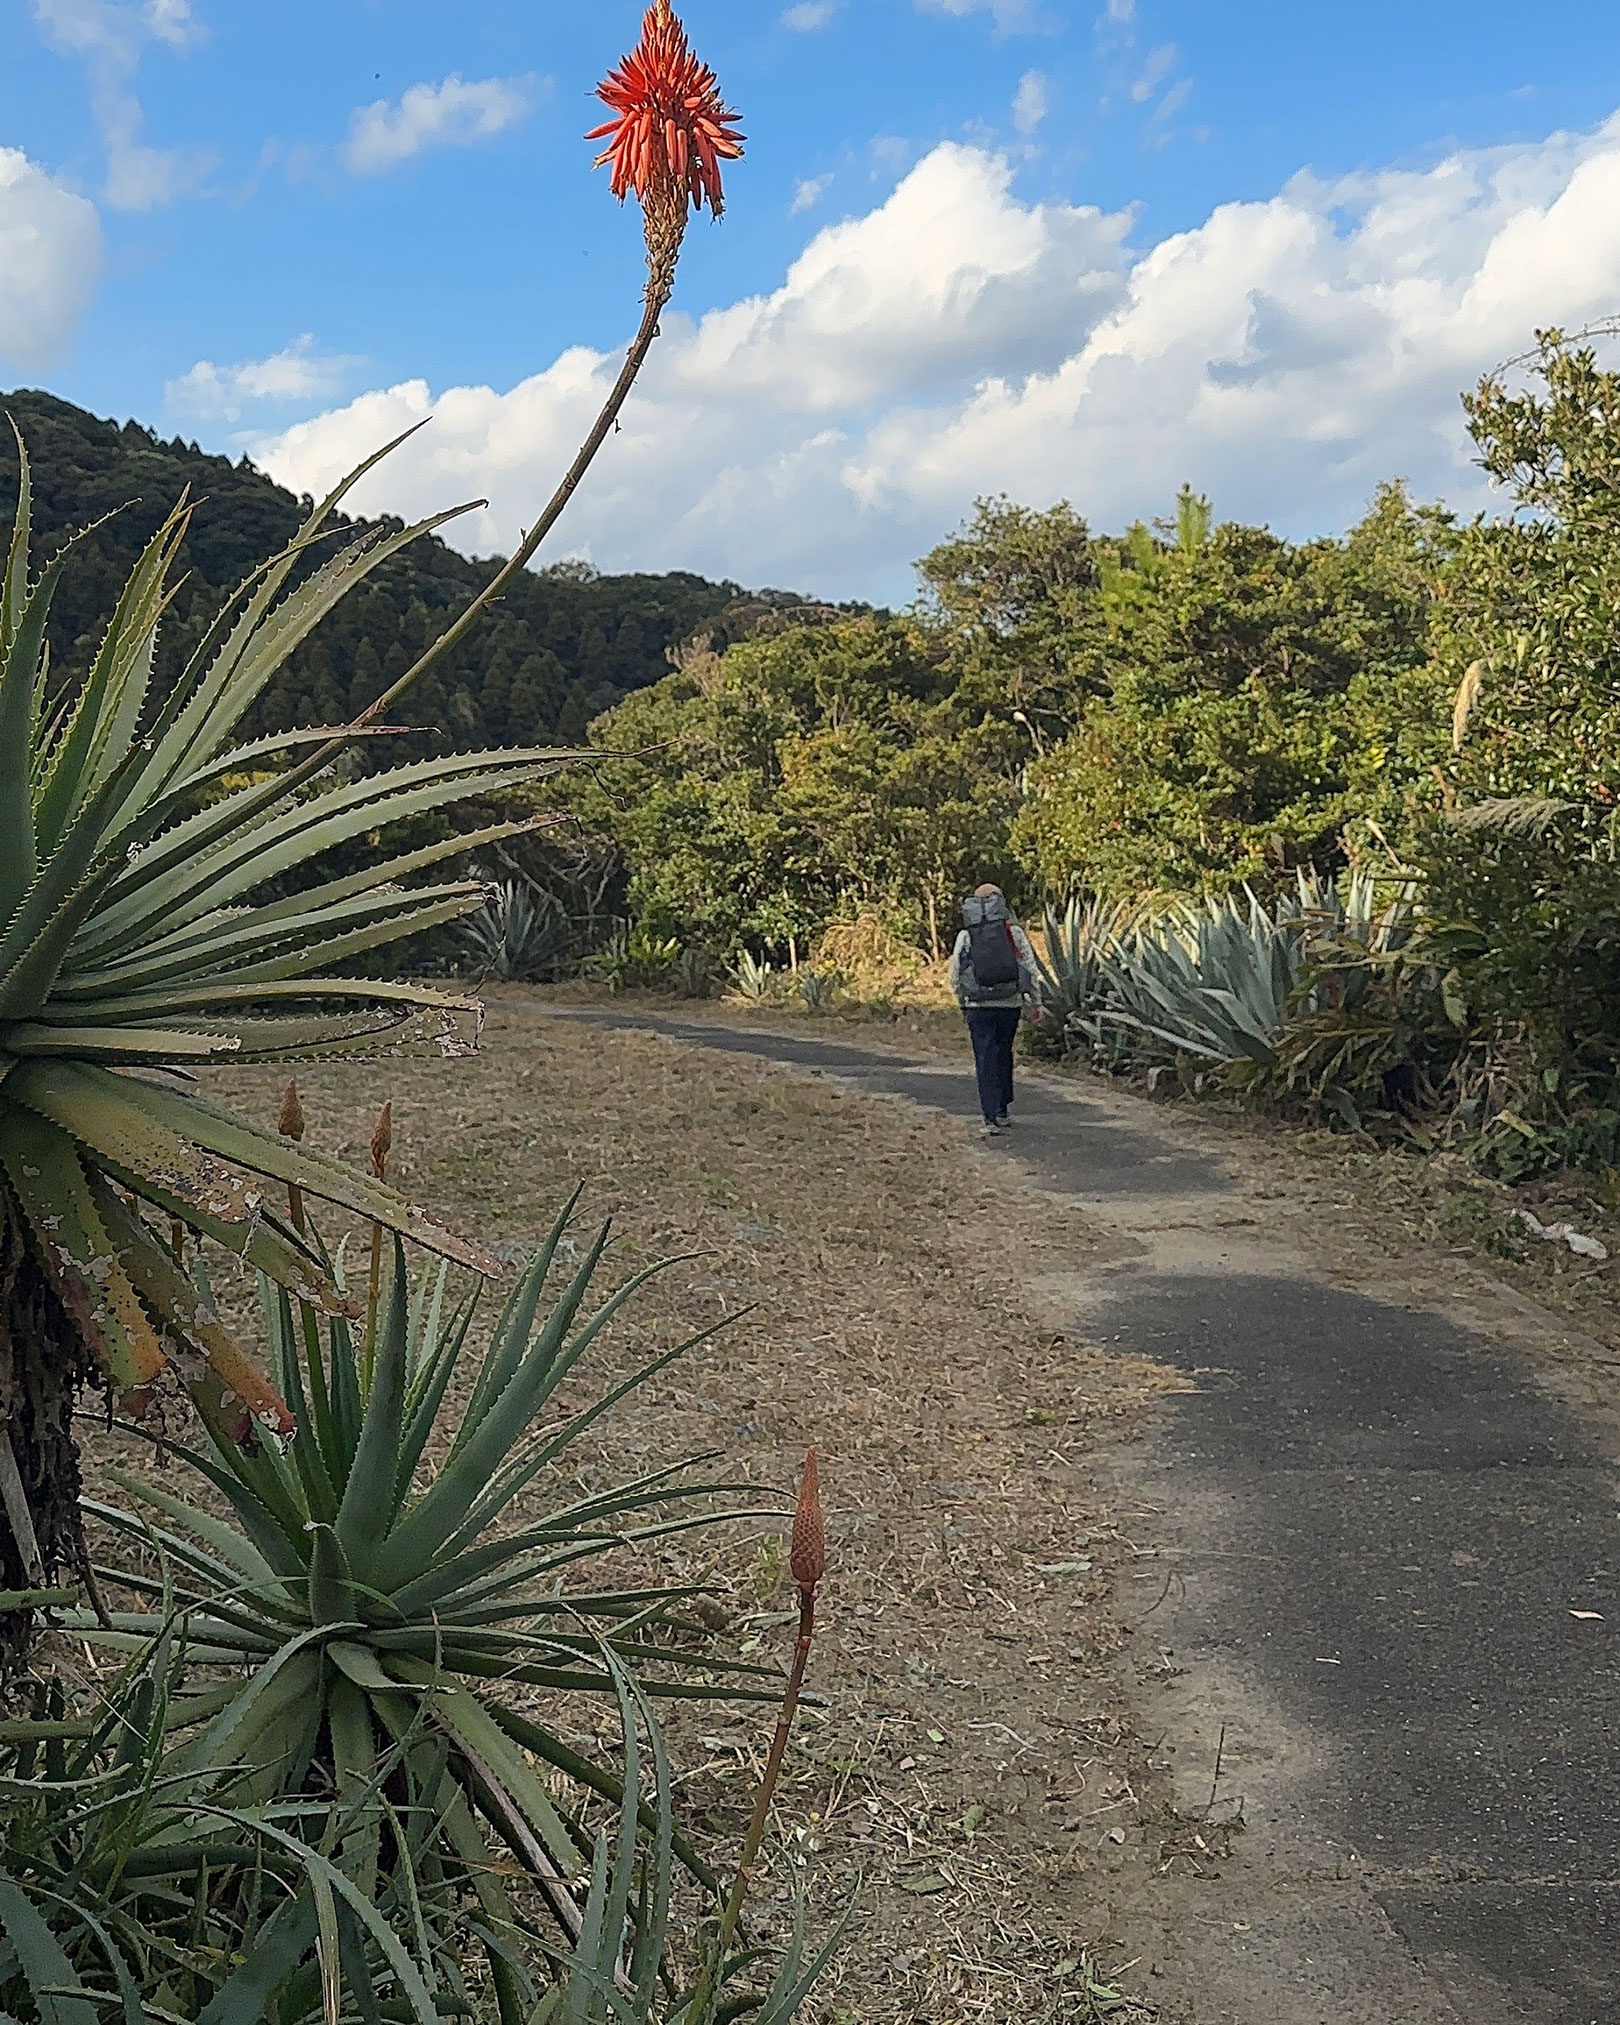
(769, 1571)
(1467, 1217)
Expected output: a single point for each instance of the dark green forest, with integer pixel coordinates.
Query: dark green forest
(564, 645)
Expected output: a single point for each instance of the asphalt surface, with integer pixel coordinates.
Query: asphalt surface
(1391, 1603)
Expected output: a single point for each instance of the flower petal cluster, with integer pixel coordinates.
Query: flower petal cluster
(670, 129)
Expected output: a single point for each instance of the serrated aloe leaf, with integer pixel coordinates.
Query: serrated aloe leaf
(245, 1145)
(47, 1973)
(99, 1110)
(369, 1505)
(171, 1294)
(46, 1177)
(96, 739)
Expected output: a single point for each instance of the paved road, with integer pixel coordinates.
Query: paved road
(1377, 1527)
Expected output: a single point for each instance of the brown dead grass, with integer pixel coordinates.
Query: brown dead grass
(968, 1780)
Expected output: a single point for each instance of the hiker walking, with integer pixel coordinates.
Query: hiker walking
(994, 977)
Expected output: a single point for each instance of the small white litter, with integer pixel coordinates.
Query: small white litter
(1580, 1244)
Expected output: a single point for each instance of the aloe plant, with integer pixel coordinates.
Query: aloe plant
(124, 1890)
(144, 927)
(129, 1889)
(367, 1602)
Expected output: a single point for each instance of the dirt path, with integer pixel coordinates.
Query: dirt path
(1371, 1582)
(968, 1779)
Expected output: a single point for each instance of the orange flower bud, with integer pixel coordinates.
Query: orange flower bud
(382, 1139)
(291, 1121)
(808, 1557)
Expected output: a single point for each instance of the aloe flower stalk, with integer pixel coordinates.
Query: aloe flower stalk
(807, 1561)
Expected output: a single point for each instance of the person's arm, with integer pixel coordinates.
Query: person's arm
(958, 957)
(1030, 979)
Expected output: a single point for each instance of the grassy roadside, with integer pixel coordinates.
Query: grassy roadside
(969, 1777)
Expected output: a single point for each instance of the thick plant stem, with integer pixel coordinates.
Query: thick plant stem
(635, 358)
(715, 1966)
(15, 1500)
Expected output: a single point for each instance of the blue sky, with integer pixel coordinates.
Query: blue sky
(344, 197)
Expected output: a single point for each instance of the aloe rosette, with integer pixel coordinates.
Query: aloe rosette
(387, 1609)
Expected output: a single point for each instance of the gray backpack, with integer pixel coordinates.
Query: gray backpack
(992, 954)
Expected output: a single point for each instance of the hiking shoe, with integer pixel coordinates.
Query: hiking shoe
(991, 1129)
(1004, 1121)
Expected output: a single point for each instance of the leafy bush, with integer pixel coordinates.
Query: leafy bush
(636, 958)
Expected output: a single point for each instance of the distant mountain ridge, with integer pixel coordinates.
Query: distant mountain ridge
(563, 645)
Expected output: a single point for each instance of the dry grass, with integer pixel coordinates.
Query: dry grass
(968, 1780)
(1344, 1197)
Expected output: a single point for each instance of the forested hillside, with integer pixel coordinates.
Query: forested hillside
(564, 645)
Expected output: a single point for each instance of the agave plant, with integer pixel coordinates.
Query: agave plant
(754, 977)
(517, 934)
(1072, 959)
(816, 988)
(1212, 981)
(368, 1604)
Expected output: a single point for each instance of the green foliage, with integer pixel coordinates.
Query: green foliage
(1016, 593)
(1522, 879)
(795, 778)
(129, 1891)
(1258, 698)
(1531, 599)
(1210, 981)
(635, 957)
(370, 1617)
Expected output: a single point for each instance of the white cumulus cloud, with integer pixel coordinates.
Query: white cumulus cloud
(1030, 102)
(808, 193)
(1284, 356)
(50, 256)
(452, 114)
(297, 373)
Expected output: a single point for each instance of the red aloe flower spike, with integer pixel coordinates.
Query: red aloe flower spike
(669, 133)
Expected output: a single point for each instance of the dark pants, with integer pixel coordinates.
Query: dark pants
(992, 1028)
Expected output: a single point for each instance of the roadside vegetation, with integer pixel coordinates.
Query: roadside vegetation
(1332, 824)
